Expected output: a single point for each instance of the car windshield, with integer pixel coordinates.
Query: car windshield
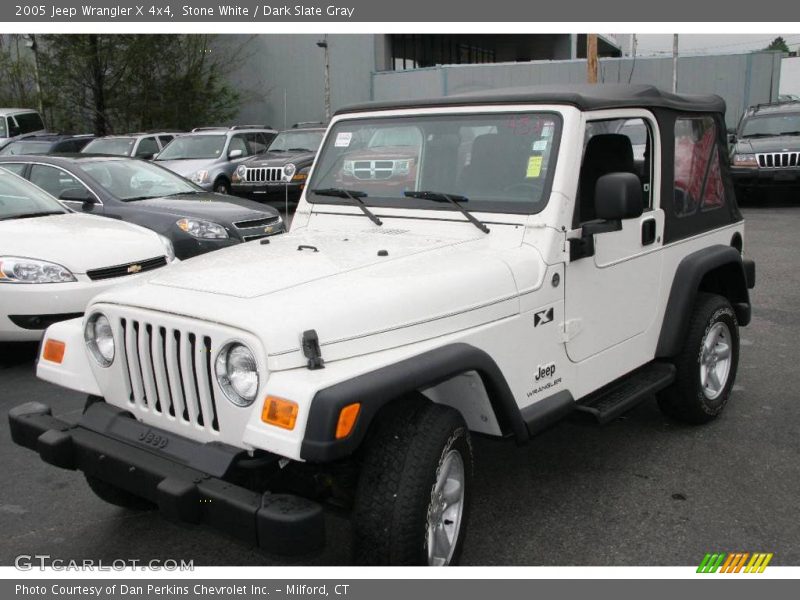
(15, 148)
(18, 198)
(120, 146)
(296, 140)
(194, 146)
(136, 180)
(499, 162)
(770, 125)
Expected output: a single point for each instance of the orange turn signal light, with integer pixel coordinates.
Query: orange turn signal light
(54, 351)
(279, 412)
(347, 420)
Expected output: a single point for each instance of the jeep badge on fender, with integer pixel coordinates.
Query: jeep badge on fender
(418, 291)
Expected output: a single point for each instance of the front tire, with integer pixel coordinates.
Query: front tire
(413, 494)
(221, 186)
(707, 364)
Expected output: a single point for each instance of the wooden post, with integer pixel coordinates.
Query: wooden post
(591, 57)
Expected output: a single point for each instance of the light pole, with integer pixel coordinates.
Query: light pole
(323, 43)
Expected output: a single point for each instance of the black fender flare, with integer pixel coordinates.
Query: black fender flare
(376, 389)
(686, 284)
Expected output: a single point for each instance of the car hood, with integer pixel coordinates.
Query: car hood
(343, 286)
(208, 205)
(79, 242)
(278, 159)
(185, 168)
(783, 143)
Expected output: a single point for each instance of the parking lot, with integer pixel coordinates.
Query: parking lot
(643, 490)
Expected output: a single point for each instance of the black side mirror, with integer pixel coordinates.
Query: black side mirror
(618, 196)
(76, 194)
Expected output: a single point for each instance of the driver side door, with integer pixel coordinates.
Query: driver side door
(612, 294)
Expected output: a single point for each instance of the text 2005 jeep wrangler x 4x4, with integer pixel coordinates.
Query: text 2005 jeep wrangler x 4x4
(495, 263)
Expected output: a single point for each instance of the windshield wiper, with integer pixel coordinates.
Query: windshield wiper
(354, 196)
(759, 135)
(33, 214)
(790, 132)
(299, 150)
(452, 199)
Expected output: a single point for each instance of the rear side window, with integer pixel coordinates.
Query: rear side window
(698, 178)
(3, 129)
(29, 122)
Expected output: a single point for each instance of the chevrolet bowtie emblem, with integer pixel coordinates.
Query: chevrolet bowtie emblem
(134, 269)
(268, 229)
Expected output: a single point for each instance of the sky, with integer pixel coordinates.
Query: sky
(655, 44)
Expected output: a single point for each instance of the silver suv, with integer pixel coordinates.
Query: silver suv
(208, 156)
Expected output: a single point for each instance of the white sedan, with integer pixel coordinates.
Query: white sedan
(53, 261)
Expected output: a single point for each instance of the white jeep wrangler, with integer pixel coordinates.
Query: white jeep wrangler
(478, 263)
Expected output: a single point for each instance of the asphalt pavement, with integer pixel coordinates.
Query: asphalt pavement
(643, 490)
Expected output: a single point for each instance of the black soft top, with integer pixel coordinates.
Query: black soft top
(584, 97)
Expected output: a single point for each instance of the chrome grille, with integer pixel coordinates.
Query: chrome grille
(127, 269)
(263, 174)
(778, 160)
(373, 169)
(169, 373)
(256, 223)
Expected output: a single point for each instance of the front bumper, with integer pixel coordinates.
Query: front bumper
(268, 191)
(28, 309)
(187, 480)
(764, 177)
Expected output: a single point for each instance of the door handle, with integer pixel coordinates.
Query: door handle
(648, 232)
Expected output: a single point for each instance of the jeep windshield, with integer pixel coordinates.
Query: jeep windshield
(296, 140)
(189, 147)
(502, 162)
(772, 125)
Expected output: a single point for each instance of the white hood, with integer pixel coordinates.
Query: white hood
(345, 290)
(78, 242)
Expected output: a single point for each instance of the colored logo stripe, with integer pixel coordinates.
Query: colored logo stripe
(734, 562)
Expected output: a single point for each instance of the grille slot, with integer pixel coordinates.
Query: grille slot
(256, 223)
(778, 160)
(263, 174)
(169, 372)
(127, 269)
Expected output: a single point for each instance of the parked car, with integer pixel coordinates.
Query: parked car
(208, 156)
(282, 170)
(140, 192)
(765, 150)
(53, 261)
(18, 121)
(514, 282)
(46, 143)
(136, 145)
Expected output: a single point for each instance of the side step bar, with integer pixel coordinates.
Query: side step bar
(622, 395)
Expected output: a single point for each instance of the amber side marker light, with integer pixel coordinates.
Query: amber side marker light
(347, 420)
(279, 412)
(54, 351)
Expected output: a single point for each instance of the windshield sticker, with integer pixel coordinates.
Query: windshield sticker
(343, 139)
(547, 130)
(540, 145)
(534, 167)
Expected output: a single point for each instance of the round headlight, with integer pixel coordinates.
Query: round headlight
(99, 339)
(289, 171)
(241, 170)
(237, 373)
